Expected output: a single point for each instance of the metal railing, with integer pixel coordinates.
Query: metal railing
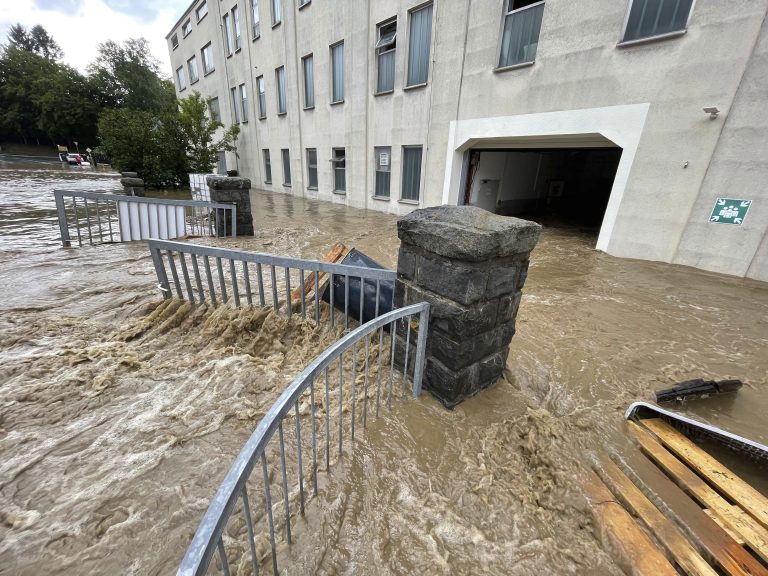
(198, 186)
(231, 504)
(120, 218)
(197, 274)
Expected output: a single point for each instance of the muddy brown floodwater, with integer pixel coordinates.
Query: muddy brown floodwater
(119, 415)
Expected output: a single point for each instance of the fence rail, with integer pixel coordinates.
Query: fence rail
(267, 279)
(120, 218)
(274, 521)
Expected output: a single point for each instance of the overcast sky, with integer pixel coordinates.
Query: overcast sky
(78, 26)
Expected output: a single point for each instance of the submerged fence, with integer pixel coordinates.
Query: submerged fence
(197, 273)
(99, 218)
(221, 534)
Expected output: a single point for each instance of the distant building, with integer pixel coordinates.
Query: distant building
(588, 113)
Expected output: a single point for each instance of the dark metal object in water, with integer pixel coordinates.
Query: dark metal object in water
(697, 387)
(371, 309)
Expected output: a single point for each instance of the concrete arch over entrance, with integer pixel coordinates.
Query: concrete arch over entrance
(620, 126)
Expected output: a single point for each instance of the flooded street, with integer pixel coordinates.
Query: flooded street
(120, 414)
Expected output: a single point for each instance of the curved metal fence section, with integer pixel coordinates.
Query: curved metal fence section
(208, 543)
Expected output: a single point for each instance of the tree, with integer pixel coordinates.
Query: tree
(127, 76)
(36, 40)
(68, 109)
(144, 142)
(44, 44)
(198, 129)
(20, 73)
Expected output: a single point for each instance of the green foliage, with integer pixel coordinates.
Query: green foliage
(20, 74)
(127, 76)
(36, 40)
(144, 142)
(198, 129)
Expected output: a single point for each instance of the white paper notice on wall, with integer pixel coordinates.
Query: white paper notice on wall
(384, 159)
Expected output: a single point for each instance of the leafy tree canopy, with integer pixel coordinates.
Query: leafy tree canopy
(35, 40)
(128, 76)
(198, 128)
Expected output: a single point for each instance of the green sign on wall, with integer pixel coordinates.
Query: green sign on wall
(730, 211)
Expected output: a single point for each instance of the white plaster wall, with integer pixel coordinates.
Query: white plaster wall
(647, 98)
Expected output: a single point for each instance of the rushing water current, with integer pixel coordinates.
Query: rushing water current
(119, 415)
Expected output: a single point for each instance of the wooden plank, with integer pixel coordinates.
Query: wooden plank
(631, 547)
(337, 252)
(737, 537)
(670, 537)
(754, 503)
(714, 542)
(732, 518)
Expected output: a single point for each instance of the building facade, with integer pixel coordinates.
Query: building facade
(588, 113)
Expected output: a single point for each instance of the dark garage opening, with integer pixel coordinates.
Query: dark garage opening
(556, 187)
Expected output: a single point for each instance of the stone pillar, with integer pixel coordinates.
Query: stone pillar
(470, 265)
(132, 184)
(235, 191)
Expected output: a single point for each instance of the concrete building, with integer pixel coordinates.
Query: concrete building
(587, 113)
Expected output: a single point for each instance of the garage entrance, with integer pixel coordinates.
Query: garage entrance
(553, 186)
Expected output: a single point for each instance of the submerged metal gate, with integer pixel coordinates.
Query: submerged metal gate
(205, 273)
(273, 439)
(302, 431)
(120, 218)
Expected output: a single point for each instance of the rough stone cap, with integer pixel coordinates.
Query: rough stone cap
(129, 174)
(132, 182)
(227, 183)
(467, 232)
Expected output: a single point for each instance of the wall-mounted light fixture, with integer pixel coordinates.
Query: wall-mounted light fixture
(713, 111)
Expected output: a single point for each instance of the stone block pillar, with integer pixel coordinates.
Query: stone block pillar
(132, 184)
(470, 265)
(235, 191)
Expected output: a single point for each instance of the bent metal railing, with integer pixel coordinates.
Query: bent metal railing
(210, 538)
(121, 218)
(266, 280)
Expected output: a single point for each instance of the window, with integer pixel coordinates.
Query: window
(244, 102)
(175, 41)
(520, 34)
(286, 166)
(207, 55)
(650, 18)
(227, 34)
(181, 81)
(382, 159)
(339, 170)
(385, 57)
(236, 23)
(280, 77)
(213, 105)
(337, 73)
(277, 12)
(192, 67)
(312, 168)
(267, 167)
(309, 81)
(420, 37)
(201, 11)
(235, 107)
(186, 28)
(262, 97)
(256, 20)
(411, 187)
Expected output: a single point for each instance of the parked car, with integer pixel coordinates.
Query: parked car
(76, 160)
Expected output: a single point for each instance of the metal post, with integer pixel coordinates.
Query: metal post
(62, 215)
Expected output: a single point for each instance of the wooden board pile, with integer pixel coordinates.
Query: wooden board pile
(678, 509)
